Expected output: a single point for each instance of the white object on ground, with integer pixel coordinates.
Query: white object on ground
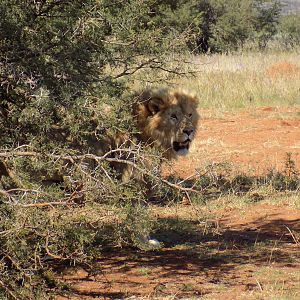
(154, 243)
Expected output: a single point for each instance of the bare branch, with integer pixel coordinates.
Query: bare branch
(49, 252)
(6, 194)
(145, 172)
(98, 159)
(46, 204)
(173, 71)
(7, 290)
(131, 71)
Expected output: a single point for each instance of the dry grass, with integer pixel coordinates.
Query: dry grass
(241, 80)
(247, 80)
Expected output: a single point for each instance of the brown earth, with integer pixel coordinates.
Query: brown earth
(243, 252)
(255, 142)
(281, 69)
(249, 255)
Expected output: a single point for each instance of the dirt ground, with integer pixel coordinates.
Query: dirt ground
(255, 141)
(248, 251)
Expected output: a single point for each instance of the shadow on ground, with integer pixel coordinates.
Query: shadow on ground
(195, 262)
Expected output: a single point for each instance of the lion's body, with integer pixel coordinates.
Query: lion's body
(166, 119)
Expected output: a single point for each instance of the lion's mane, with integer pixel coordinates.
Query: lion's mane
(167, 118)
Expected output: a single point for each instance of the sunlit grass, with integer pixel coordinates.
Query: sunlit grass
(235, 81)
(246, 80)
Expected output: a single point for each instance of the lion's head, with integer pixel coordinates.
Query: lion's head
(168, 119)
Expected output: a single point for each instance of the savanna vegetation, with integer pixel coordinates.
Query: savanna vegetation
(67, 73)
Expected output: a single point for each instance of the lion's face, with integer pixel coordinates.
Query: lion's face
(168, 119)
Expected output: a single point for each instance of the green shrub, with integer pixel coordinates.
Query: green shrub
(289, 31)
(65, 82)
(238, 22)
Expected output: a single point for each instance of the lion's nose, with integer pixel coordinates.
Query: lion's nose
(188, 131)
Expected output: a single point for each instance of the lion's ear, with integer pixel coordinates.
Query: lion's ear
(155, 105)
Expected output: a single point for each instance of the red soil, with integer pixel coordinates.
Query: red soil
(282, 69)
(255, 141)
(229, 264)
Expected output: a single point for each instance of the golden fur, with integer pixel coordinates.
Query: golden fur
(167, 119)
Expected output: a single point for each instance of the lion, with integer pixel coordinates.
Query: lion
(167, 119)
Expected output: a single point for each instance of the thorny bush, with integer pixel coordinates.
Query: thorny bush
(65, 73)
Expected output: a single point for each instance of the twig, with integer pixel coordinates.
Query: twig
(296, 240)
(259, 285)
(14, 263)
(173, 71)
(45, 204)
(187, 178)
(7, 290)
(117, 43)
(49, 252)
(19, 153)
(6, 194)
(143, 171)
(128, 71)
(98, 159)
(64, 157)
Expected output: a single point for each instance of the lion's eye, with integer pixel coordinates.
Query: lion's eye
(190, 115)
(174, 117)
